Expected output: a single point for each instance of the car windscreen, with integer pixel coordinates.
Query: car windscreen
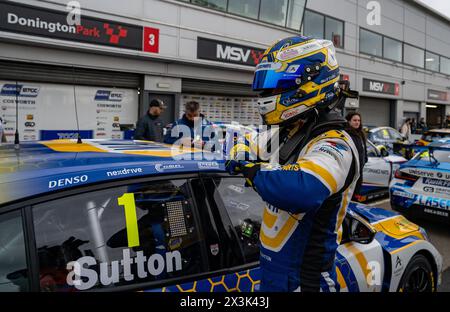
(440, 156)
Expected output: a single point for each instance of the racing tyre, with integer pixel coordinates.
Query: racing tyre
(418, 276)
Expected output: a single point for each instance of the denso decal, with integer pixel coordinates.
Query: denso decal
(67, 181)
(82, 277)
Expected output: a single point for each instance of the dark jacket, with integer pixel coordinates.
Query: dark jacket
(361, 145)
(149, 128)
(183, 121)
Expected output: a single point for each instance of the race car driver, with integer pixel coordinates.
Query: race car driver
(308, 191)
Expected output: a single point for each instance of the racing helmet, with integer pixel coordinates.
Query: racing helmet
(296, 75)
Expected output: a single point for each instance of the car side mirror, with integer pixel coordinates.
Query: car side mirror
(384, 152)
(358, 232)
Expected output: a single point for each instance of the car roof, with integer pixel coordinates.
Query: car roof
(381, 128)
(443, 131)
(48, 166)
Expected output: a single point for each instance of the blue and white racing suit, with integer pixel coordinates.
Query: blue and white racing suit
(307, 203)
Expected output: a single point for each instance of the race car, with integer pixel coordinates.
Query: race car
(135, 215)
(434, 135)
(421, 187)
(378, 173)
(386, 136)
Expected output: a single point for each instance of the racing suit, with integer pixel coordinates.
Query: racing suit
(307, 201)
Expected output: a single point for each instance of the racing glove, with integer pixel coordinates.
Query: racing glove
(248, 169)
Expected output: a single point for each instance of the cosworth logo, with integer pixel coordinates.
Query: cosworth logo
(106, 95)
(19, 90)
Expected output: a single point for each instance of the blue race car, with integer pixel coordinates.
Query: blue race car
(421, 187)
(135, 215)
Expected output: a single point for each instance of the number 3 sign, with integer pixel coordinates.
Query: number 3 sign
(151, 40)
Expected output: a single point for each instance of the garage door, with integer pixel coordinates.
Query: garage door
(375, 112)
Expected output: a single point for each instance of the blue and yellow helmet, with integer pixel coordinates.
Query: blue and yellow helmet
(294, 76)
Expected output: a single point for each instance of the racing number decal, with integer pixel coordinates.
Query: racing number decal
(127, 201)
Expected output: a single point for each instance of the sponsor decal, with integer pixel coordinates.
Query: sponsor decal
(43, 22)
(382, 87)
(68, 181)
(434, 202)
(437, 95)
(208, 165)
(436, 212)
(214, 249)
(106, 95)
(403, 194)
(226, 52)
(420, 173)
(168, 167)
(330, 150)
(82, 277)
(428, 189)
(19, 90)
(124, 171)
(65, 134)
(291, 113)
(298, 51)
(376, 171)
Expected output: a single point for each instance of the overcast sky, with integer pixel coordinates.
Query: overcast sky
(443, 6)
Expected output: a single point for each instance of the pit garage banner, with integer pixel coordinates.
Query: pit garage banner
(42, 22)
(226, 52)
(47, 111)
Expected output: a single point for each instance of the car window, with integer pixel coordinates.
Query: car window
(382, 134)
(371, 150)
(395, 135)
(13, 264)
(245, 209)
(119, 236)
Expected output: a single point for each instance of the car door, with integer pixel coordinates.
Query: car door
(359, 258)
(377, 172)
(132, 236)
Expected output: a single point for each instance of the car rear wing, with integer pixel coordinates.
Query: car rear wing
(410, 150)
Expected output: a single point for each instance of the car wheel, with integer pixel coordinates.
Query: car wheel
(418, 276)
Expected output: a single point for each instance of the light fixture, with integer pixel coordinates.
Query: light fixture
(431, 106)
(430, 59)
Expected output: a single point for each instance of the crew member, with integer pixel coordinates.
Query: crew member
(309, 191)
(150, 126)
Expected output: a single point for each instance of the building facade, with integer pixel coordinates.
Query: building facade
(100, 72)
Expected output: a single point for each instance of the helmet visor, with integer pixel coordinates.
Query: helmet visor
(269, 77)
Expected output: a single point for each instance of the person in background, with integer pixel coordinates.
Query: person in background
(405, 130)
(355, 127)
(150, 127)
(2, 132)
(447, 122)
(422, 125)
(191, 114)
(413, 125)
